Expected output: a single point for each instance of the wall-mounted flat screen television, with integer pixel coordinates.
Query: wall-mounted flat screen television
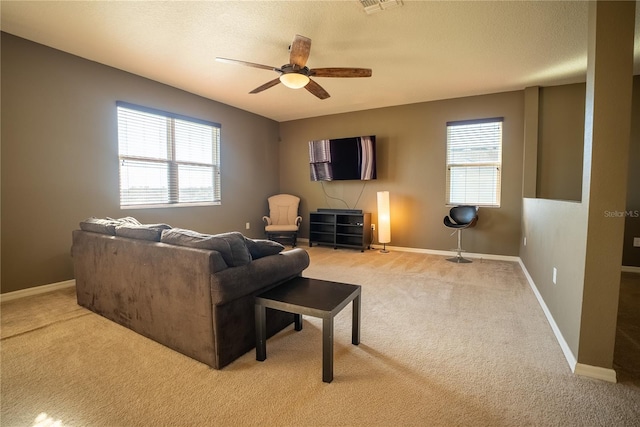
(343, 159)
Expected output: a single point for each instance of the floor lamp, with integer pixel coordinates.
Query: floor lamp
(384, 220)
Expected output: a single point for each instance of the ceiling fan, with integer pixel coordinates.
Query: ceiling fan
(296, 74)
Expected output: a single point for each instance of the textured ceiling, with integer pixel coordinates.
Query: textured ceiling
(422, 51)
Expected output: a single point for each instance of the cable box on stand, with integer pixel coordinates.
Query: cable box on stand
(345, 228)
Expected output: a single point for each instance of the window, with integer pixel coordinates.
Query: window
(474, 162)
(166, 159)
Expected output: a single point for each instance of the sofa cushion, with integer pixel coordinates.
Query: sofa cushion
(151, 232)
(231, 245)
(97, 225)
(126, 220)
(259, 248)
(107, 225)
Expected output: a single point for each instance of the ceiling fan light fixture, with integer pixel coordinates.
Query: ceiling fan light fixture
(294, 80)
(295, 74)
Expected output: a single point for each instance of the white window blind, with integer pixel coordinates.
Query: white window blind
(166, 159)
(474, 162)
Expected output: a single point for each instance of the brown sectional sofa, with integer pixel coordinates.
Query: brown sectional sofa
(184, 297)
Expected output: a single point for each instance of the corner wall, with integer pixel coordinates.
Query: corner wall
(631, 254)
(411, 150)
(555, 232)
(560, 148)
(561, 143)
(607, 135)
(60, 158)
(578, 239)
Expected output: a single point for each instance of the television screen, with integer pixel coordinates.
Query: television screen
(343, 159)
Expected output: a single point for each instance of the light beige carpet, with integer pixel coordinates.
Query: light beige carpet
(441, 345)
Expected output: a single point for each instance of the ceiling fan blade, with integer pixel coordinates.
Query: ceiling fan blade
(248, 64)
(317, 90)
(300, 49)
(340, 72)
(265, 86)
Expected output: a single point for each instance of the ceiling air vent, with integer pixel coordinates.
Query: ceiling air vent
(373, 6)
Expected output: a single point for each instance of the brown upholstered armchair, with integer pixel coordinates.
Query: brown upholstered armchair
(283, 220)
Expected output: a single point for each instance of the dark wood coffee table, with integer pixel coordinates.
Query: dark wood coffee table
(312, 297)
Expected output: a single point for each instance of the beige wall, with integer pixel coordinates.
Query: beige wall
(608, 105)
(411, 145)
(59, 163)
(560, 143)
(555, 233)
(59, 158)
(560, 155)
(578, 239)
(631, 254)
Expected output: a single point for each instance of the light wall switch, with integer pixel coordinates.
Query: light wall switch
(247, 226)
(555, 275)
(525, 240)
(636, 242)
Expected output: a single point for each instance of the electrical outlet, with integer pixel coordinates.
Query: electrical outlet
(555, 275)
(373, 227)
(247, 226)
(636, 242)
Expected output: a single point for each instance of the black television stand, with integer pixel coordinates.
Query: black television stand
(347, 228)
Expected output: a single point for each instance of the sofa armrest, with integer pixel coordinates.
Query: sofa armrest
(260, 274)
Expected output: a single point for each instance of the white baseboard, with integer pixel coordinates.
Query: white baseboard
(439, 252)
(628, 269)
(596, 372)
(450, 253)
(581, 369)
(577, 368)
(568, 354)
(36, 290)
